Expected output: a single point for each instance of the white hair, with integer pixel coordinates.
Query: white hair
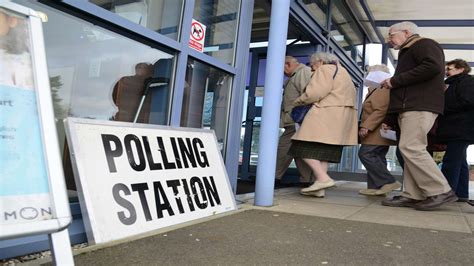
(326, 58)
(405, 25)
(290, 58)
(383, 68)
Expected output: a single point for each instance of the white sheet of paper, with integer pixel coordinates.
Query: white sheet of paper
(375, 78)
(388, 134)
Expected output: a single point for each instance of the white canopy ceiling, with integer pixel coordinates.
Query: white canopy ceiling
(451, 23)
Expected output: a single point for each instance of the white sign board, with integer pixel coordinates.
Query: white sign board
(197, 36)
(135, 178)
(32, 190)
(33, 197)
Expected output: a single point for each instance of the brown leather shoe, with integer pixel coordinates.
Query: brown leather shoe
(434, 202)
(400, 201)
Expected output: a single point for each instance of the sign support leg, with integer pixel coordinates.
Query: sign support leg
(61, 251)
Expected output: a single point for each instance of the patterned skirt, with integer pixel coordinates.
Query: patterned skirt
(316, 150)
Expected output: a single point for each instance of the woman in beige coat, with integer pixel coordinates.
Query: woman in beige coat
(374, 148)
(330, 124)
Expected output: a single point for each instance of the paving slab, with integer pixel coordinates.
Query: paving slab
(446, 209)
(257, 237)
(314, 208)
(331, 198)
(465, 208)
(412, 218)
(470, 220)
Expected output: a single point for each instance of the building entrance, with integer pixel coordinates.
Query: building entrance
(253, 108)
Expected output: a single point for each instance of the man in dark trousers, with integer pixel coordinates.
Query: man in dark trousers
(417, 97)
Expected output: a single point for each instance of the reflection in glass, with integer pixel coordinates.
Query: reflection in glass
(256, 142)
(206, 99)
(346, 160)
(92, 77)
(318, 9)
(162, 16)
(220, 19)
(86, 62)
(345, 30)
(145, 94)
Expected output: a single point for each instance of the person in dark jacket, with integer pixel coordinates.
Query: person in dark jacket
(417, 97)
(456, 126)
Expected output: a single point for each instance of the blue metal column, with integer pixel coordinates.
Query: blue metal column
(327, 48)
(238, 91)
(269, 129)
(181, 66)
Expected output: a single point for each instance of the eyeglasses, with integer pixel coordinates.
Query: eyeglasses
(450, 68)
(390, 34)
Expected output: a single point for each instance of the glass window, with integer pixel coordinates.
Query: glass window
(162, 16)
(344, 29)
(254, 143)
(319, 9)
(220, 18)
(92, 77)
(206, 99)
(346, 159)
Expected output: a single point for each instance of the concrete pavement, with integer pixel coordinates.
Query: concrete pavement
(344, 228)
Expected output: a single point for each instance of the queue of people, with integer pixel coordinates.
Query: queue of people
(410, 101)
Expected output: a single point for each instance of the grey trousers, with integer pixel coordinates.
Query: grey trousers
(373, 158)
(284, 160)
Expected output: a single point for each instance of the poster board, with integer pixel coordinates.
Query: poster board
(33, 197)
(136, 178)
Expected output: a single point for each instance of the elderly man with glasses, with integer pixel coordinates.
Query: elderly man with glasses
(299, 76)
(417, 98)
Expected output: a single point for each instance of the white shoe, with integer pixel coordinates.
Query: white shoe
(317, 193)
(387, 188)
(317, 185)
(368, 191)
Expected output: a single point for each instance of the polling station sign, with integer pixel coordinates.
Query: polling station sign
(135, 178)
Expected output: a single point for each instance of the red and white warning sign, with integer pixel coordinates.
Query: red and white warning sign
(197, 36)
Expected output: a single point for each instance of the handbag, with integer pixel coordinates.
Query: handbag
(298, 112)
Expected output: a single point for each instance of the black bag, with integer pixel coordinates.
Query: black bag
(298, 112)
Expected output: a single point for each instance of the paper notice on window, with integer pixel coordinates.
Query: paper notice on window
(375, 78)
(388, 134)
